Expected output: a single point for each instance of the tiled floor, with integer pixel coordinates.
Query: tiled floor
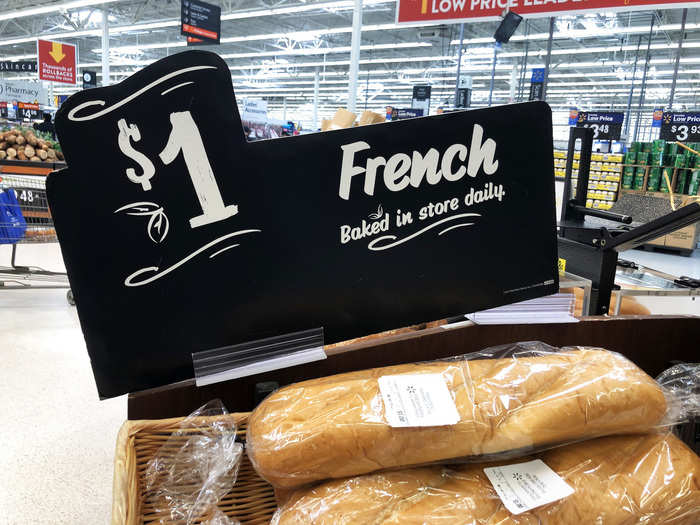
(57, 437)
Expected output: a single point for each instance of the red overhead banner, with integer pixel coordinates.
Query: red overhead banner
(416, 11)
(56, 61)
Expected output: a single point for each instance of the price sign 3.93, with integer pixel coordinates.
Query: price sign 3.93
(682, 127)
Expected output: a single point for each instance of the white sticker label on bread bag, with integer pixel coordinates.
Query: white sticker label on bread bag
(421, 400)
(528, 485)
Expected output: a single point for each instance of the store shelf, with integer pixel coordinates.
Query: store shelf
(604, 176)
(19, 167)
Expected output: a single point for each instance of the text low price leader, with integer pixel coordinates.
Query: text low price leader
(412, 11)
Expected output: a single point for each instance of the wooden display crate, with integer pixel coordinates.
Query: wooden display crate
(653, 342)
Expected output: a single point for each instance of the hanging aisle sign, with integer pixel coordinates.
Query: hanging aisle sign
(537, 84)
(200, 22)
(680, 126)
(573, 116)
(22, 66)
(198, 239)
(421, 98)
(417, 11)
(605, 125)
(56, 61)
(23, 91)
(89, 79)
(254, 110)
(393, 113)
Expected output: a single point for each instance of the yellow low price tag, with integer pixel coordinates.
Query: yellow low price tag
(562, 265)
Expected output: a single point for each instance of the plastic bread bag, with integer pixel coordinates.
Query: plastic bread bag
(505, 401)
(218, 518)
(195, 467)
(651, 479)
(683, 382)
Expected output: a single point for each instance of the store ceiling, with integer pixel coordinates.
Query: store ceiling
(275, 47)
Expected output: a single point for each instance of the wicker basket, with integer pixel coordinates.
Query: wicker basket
(251, 501)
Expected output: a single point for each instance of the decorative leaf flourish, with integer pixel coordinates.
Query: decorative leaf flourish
(158, 226)
(379, 213)
(158, 223)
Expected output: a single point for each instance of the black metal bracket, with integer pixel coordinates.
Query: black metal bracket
(592, 251)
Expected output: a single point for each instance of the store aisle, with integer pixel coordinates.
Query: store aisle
(57, 437)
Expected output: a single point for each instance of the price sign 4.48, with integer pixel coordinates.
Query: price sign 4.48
(606, 126)
(683, 127)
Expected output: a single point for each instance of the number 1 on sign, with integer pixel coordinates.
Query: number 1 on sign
(185, 137)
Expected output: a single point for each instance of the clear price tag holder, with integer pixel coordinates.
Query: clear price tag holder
(259, 356)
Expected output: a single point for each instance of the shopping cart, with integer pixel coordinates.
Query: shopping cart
(25, 218)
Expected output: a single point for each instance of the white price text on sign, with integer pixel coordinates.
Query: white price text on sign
(598, 129)
(419, 400)
(185, 138)
(681, 132)
(525, 486)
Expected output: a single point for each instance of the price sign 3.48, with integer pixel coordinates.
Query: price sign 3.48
(683, 127)
(606, 126)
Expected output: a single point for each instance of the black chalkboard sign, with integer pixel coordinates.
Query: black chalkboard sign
(193, 238)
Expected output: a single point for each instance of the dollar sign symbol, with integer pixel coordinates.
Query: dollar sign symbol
(126, 133)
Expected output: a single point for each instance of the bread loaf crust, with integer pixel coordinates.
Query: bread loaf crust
(335, 426)
(649, 479)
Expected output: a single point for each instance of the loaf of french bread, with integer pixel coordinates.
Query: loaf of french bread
(337, 426)
(649, 479)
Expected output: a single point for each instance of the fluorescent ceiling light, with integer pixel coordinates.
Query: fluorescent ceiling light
(331, 6)
(324, 50)
(165, 23)
(582, 33)
(55, 36)
(53, 8)
(19, 57)
(297, 36)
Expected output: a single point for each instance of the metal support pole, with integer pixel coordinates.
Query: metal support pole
(523, 67)
(459, 62)
(317, 82)
(355, 55)
(644, 80)
(548, 60)
(105, 47)
(284, 109)
(678, 59)
(493, 71)
(513, 82)
(629, 99)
